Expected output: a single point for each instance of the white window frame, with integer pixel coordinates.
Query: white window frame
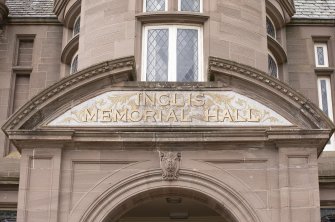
(172, 64)
(145, 6)
(325, 51)
(73, 57)
(75, 21)
(328, 147)
(275, 60)
(201, 6)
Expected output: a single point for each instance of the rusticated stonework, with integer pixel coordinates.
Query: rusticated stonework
(170, 164)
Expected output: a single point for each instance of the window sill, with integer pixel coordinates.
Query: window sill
(22, 69)
(175, 17)
(70, 49)
(320, 71)
(277, 50)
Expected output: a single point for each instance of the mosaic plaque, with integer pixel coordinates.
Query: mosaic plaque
(169, 108)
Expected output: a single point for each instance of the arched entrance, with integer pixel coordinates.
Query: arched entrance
(165, 205)
(145, 189)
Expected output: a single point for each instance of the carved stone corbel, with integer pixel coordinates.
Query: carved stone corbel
(170, 164)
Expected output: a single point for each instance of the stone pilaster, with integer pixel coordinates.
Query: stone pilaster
(39, 185)
(298, 184)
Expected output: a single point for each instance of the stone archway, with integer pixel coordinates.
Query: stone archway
(114, 202)
(168, 204)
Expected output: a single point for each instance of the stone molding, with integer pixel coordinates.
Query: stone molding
(288, 5)
(135, 185)
(226, 67)
(68, 83)
(311, 22)
(70, 49)
(71, 14)
(277, 50)
(25, 128)
(33, 21)
(174, 17)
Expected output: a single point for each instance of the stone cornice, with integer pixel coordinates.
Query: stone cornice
(33, 21)
(124, 66)
(311, 22)
(175, 17)
(272, 84)
(199, 138)
(289, 7)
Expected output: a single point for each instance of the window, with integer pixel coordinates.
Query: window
(272, 66)
(321, 55)
(7, 215)
(325, 103)
(155, 5)
(270, 28)
(25, 52)
(74, 64)
(190, 5)
(327, 214)
(172, 53)
(76, 26)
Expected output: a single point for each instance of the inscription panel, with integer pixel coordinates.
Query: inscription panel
(169, 108)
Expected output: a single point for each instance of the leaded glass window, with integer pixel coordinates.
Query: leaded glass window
(74, 65)
(76, 27)
(157, 55)
(155, 5)
(321, 55)
(187, 55)
(270, 28)
(325, 103)
(327, 214)
(172, 53)
(272, 67)
(190, 5)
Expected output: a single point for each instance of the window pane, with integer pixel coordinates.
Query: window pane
(271, 31)
(74, 65)
(157, 55)
(320, 54)
(76, 27)
(190, 5)
(7, 216)
(187, 55)
(155, 5)
(324, 97)
(327, 215)
(272, 67)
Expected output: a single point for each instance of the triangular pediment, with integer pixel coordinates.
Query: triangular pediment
(134, 108)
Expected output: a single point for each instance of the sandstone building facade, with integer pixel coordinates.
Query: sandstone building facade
(164, 110)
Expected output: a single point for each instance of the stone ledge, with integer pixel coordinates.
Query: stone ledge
(70, 49)
(277, 50)
(174, 17)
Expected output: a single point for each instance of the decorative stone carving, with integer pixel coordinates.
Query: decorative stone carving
(170, 164)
